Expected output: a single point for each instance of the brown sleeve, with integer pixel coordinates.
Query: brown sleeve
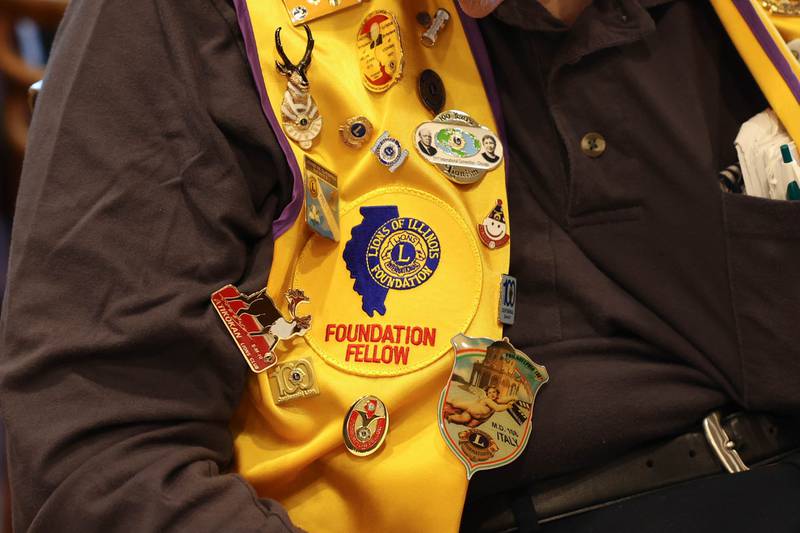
(151, 179)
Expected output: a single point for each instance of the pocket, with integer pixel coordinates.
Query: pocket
(763, 246)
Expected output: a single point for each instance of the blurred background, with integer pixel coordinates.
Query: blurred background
(26, 34)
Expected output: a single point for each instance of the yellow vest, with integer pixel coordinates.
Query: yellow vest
(294, 452)
(761, 37)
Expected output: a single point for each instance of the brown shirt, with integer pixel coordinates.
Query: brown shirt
(152, 178)
(641, 286)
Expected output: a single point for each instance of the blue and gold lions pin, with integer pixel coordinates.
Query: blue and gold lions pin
(389, 151)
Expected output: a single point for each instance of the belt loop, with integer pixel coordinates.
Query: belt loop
(524, 513)
(722, 445)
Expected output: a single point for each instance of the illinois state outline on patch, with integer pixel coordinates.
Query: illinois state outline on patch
(386, 252)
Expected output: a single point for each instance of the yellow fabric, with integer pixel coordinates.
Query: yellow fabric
(294, 452)
(787, 26)
(782, 29)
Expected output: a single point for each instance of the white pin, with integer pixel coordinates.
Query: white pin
(437, 25)
(389, 151)
(299, 113)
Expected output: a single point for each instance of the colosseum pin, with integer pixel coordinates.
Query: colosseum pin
(486, 409)
(365, 426)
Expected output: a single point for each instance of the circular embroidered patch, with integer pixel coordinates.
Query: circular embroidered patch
(404, 279)
(403, 254)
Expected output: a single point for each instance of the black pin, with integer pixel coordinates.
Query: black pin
(424, 19)
(431, 91)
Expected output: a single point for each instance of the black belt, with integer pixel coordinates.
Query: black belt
(724, 444)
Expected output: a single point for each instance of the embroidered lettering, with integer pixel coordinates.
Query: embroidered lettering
(377, 343)
(389, 252)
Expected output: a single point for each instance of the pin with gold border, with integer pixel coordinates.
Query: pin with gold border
(365, 426)
(380, 51)
(355, 131)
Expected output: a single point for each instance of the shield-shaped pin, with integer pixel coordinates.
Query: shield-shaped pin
(486, 409)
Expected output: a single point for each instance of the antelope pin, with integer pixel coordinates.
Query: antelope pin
(299, 113)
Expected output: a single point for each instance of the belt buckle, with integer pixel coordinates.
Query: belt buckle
(724, 448)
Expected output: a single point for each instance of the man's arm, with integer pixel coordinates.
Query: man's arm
(151, 180)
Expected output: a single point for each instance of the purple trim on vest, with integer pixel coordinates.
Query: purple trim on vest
(762, 35)
(287, 217)
(481, 56)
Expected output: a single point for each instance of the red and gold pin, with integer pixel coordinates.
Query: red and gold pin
(365, 426)
(256, 325)
(380, 51)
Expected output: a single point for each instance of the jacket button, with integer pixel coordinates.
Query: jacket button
(593, 144)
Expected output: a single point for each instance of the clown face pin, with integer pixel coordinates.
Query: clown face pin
(493, 231)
